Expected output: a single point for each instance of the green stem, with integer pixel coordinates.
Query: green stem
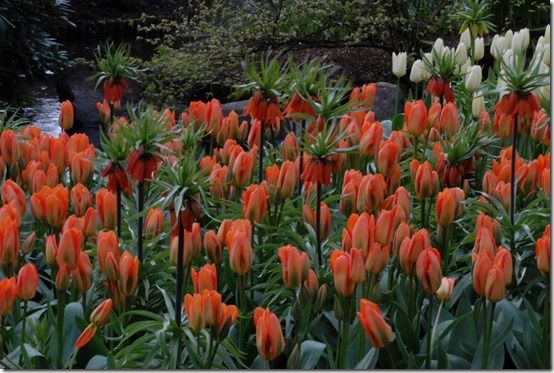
(59, 328)
(436, 323)
(372, 283)
(446, 250)
(397, 95)
(344, 334)
(411, 294)
(22, 340)
(423, 225)
(429, 318)
(416, 141)
(489, 321)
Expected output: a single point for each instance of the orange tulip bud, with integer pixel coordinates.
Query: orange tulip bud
(63, 277)
(8, 293)
(425, 180)
(428, 269)
(448, 122)
(372, 134)
(375, 326)
(385, 222)
(240, 252)
(13, 194)
(542, 252)
(485, 221)
(212, 246)
(403, 231)
(444, 292)
(377, 258)
(290, 147)
(70, 247)
(502, 193)
(106, 243)
(254, 200)
(447, 204)
(154, 223)
(81, 165)
(194, 311)
(495, 285)
(371, 193)
(484, 242)
(481, 269)
(348, 270)
(81, 199)
(410, 249)
(363, 232)
(288, 179)
(388, 157)
(89, 223)
(503, 260)
(51, 250)
(205, 278)
(295, 266)
(128, 274)
(82, 275)
(415, 117)
(102, 313)
(106, 204)
(27, 245)
(27, 282)
(242, 168)
(9, 242)
(311, 284)
(86, 336)
(269, 336)
(66, 115)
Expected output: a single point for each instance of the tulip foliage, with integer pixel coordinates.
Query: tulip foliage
(418, 241)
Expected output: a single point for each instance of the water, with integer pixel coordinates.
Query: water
(44, 111)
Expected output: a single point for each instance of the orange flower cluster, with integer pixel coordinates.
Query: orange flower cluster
(512, 106)
(439, 87)
(206, 310)
(267, 111)
(491, 273)
(113, 90)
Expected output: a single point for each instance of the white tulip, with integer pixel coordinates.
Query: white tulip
(461, 54)
(526, 37)
(466, 37)
(520, 41)
(438, 46)
(508, 57)
(546, 55)
(479, 51)
(473, 78)
(498, 46)
(508, 36)
(399, 64)
(547, 33)
(465, 67)
(417, 72)
(541, 42)
(428, 57)
(478, 104)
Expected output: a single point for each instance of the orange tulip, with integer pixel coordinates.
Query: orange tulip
(69, 248)
(218, 182)
(481, 269)
(13, 194)
(82, 274)
(448, 122)
(154, 223)
(288, 179)
(324, 221)
(9, 147)
(106, 243)
(240, 252)
(9, 242)
(371, 193)
(348, 198)
(388, 157)
(484, 242)
(51, 204)
(377, 258)
(363, 231)
(348, 270)
(227, 317)
(89, 223)
(402, 198)
(194, 311)
(81, 165)
(8, 293)
(386, 227)
(485, 221)
(254, 135)
(503, 260)
(106, 203)
(51, 249)
(269, 336)
(447, 204)
(212, 246)
(425, 181)
(428, 270)
(372, 134)
(254, 202)
(128, 274)
(415, 117)
(242, 168)
(295, 266)
(205, 278)
(27, 282)
(375, 326)
(311, 284)
(102, 313)
(542, 252)
(403, 231)
(444, 292)
(63, 277)
(290, 147)
(495, 285)
(211, 307)
(86, 336)
(81, 199)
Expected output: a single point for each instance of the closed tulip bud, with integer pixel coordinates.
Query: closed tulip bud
(375, 326)
(448, 121)
(128, 274)
(428, 270)
(111, 266)
(520, 41)
(240, 253)
(311, 284)
(295, 266)
(403, 231)
(90, 223)
(271, 181)
(377, 258)
(242, 168)
(444, 292)
(9, 242)
(399, 64)
(371, 193)
(70, 247)
(287, 179)
(363, 232)
(424, 181)
(461, 53)
(153, 223)
(484, 242)
(106, 204)
(81, 199)
(415, 117)
(27, 245)
(255, 203)
(503, 260)
(194, 311)
(478, 107)
(495, 285)
(542, 252)
(446, 207)
(502, 193)
(290, 147)
(418, 72)
(321, 298)
(9, 147)
(269, 336)
(51, 250)
(106, 243)
(388, 157)
(63, 278)
(13, 194)
(8, 293)
(348, 198)
(82, 274)
(27, 282)
(371, 138)
(485, 221)
(386, 227)
(473, 78)
(66, 115)
(102, 313)
(205, 278)
(410, 248)
(479, 51)
(212, 247)
(86, 336)
(348, 270)
(481, 269)
(438, 46)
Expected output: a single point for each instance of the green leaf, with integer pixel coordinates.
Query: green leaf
(311, 352)
(97, 362)
(369, 360)
(71, 330)
(397, 122)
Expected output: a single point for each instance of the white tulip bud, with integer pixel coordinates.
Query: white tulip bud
(520, 41)
(478, 104)
(461, 54)
(508, 57)
(417, 72)
(546, 54)
(428, 57)
(547, 34)
(473, 78)
(465, 37)
(508, 36)
(498, 46)
(438, 46)
(465, 67)
(526, 37)
(399, 64)
(479, 51)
